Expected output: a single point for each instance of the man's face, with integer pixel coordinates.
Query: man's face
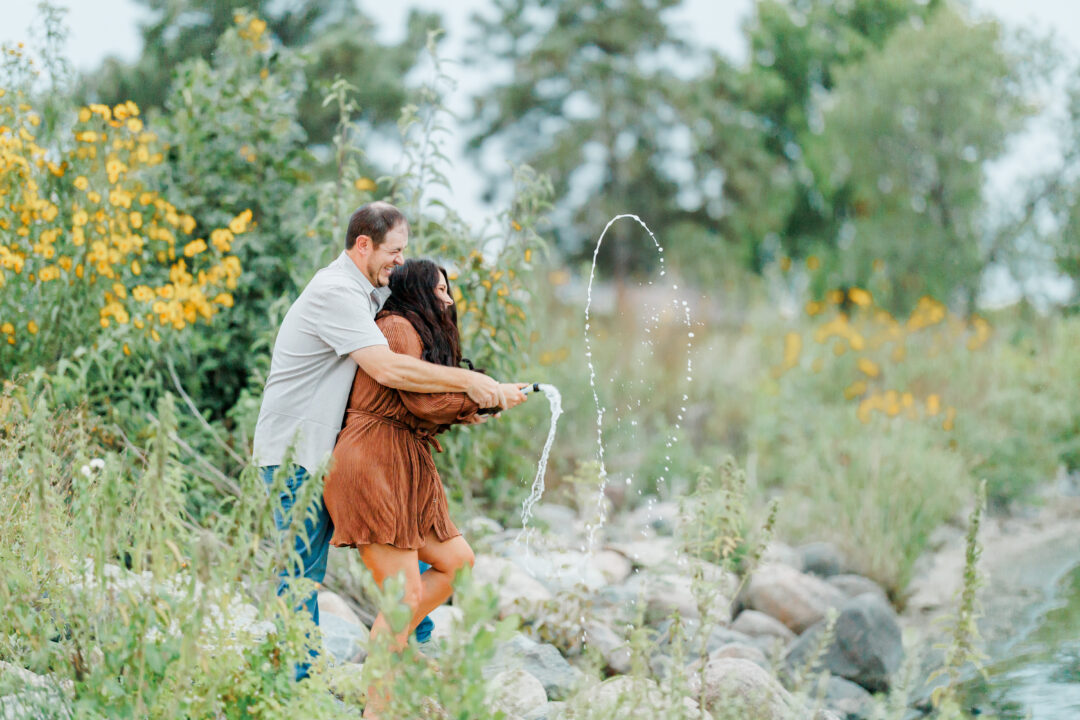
(391, 253)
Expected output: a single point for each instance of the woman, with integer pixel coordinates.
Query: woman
(383, 491)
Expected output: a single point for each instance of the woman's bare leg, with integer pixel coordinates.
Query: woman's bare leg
(445, 558)
(386, 561)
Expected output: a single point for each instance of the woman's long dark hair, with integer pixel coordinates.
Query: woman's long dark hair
(412, 295)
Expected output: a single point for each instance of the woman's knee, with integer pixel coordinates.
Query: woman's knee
(452, 556)
(463, 555)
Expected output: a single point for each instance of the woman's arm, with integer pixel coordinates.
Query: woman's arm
(441, 408)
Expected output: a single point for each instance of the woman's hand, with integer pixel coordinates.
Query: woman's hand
(512, 393)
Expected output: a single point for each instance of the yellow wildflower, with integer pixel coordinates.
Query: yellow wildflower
(868, 367)
(365, 184)
(860, 297)
(239, 223)
(194, 247)
(32, 327)
(855, 389)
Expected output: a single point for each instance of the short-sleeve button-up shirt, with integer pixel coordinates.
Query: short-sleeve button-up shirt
(310, 371)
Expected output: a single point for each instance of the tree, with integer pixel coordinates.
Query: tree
(907, 134)
(592, 104)
(338, 39)
(797, 48)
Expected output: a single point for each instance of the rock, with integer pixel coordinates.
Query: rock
(555, 517)
(758, 624)
(670, 593)
(479, 527)
(855, 585)
(867, 648)
(822, 559)
(614, 650)
(777, 553)
(848, 700)
(343, 640)
(795, 599)
(541, 660)
(517, 591)
(613, 566)
(515, 692)
(346, 681)
(448, 621)
(654, 553)
(826, 714)
(719, 635)
(547, 711)
(662, 517)
(741, 651)
(35, 696)
(559, 571)
(333, 604)
(740, 688)
(629, 698)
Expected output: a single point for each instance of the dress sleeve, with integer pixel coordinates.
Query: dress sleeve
(438, 408)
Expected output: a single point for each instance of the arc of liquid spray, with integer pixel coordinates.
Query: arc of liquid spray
(555, 401)
(601, 508)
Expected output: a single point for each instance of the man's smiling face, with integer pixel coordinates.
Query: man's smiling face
(388, 255)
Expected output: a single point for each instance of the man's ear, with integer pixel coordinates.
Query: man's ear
(363, 244)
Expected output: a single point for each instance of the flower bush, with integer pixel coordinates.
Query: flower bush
(87, 247)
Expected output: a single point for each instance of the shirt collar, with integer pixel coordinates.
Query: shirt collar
(354, 272)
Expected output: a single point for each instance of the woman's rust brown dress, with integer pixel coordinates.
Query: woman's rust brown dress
(383, 487)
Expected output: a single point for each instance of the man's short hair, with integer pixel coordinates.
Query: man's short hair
(374, 220)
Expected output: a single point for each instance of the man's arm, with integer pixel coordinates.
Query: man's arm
(404, 372)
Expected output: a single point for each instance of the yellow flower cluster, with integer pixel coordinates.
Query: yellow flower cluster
(861, 327)
(82, 234)
(252, 29)
(892, 403)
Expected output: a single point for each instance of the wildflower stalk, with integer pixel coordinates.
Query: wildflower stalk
(962, 628)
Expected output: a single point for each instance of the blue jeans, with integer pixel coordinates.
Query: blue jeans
(312, 546)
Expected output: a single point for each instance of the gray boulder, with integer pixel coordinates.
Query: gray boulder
(613, 566)
(795, 599)
(614, 650)
(560, 571)
(343, 640)
(854, 585)
(740, 688)
(867, 647)
(628, 697)
(652, 553)
(515, 692)
(541, 660)
(758, 624)
(848, 700)
(547, 711)
(822, 559)
(517, 590)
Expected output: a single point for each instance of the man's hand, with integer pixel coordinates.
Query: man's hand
(485, 391)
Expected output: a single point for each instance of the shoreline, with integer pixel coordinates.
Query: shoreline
(1024, 555)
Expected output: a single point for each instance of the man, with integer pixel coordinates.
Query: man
(327, 333)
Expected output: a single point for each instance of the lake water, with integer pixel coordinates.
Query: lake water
(1037, 676)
